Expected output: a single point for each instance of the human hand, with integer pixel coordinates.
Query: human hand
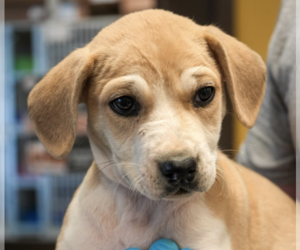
(162, 244)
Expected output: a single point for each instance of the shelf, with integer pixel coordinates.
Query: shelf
(36, 201)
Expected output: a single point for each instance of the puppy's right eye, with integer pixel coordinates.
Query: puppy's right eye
(204, 96)
(125, 106)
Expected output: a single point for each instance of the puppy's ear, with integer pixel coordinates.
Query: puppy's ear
(243, 71)
(53, 102)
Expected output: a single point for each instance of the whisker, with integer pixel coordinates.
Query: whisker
(114, 193)
(134, 186)
(110, 164)
(122, 177)
(98, 169)
(221, 180)
(102, 162)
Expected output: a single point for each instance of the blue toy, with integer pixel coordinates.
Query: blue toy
(162, 244)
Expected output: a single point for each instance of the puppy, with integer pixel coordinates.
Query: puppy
(154, 86)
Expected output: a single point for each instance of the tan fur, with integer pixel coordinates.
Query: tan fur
(161, 60)
(253, 221)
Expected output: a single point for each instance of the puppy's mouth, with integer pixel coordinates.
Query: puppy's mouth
(180, 193)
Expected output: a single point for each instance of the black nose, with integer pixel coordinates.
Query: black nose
(179, 171)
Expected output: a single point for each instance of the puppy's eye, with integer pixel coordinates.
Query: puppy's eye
(204, 96)
(125, 106)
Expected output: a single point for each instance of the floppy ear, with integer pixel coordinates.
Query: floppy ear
(53, 102)
(244, 73)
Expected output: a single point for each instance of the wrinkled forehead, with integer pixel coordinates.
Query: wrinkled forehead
(162, 60)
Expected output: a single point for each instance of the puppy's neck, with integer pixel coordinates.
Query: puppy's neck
(130, 204)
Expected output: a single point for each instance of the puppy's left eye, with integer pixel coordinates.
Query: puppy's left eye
(204, 96)
(125, 106)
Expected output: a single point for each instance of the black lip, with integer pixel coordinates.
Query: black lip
(181, 191)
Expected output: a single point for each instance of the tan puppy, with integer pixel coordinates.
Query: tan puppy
(154, 85)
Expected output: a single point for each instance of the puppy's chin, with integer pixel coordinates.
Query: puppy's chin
(178, 195)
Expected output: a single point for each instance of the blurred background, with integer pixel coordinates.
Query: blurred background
(38, 35)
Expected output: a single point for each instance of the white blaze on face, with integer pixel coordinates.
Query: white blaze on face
(174, 133)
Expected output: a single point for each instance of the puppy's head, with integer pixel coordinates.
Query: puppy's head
(154, 85)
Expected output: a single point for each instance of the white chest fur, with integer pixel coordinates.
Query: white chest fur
(116, 220)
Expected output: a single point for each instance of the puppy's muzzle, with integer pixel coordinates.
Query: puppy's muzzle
(179, 172)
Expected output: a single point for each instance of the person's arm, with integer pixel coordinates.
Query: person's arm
(269, 148)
